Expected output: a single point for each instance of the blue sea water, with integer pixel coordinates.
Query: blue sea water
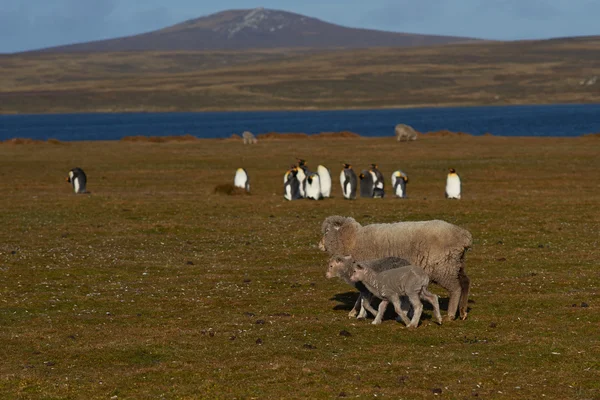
(540, 120)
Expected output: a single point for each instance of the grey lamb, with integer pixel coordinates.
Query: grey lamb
(343, 267)
(436, 246)
(389, 285)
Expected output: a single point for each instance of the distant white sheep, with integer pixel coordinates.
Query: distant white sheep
(405, 132)
(411, 281)
(249, 138)
(436, 246)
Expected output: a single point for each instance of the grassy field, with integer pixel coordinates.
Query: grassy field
(484, 73)
(155, 287)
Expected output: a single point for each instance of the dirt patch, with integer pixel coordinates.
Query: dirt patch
(229, 190)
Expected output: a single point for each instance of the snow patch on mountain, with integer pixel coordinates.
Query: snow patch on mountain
(259, 20)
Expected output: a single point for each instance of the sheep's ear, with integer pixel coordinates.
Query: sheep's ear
(359, 267)
(347, 257)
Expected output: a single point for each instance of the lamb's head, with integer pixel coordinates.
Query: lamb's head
(339, 266)
(338, 234)
(358, 273)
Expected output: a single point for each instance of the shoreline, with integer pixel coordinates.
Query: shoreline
(284, 137)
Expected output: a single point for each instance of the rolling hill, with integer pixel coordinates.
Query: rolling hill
(256, 29)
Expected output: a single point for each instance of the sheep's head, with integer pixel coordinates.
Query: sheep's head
(338, 265)
(334, 230)
(358, 273)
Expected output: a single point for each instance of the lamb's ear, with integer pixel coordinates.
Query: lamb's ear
(359, 267)
(347, 257)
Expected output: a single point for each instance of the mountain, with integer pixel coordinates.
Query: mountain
(258, 28)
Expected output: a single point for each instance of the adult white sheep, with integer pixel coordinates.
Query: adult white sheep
(436, 246)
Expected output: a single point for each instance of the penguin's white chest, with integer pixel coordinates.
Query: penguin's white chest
(301, 176)
(398, 191)
(241, 178)
(325, 180)
(453, 186)
(76, 185)
(313, 189)
(288, 192)
(343, 183)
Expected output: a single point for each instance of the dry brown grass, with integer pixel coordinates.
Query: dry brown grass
(540, 72)
(159, 139)
(154, 286)
(445, 132)
(299, 135)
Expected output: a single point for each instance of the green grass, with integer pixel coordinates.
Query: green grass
(155, 287)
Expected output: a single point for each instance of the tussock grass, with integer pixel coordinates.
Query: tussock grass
(154, 286)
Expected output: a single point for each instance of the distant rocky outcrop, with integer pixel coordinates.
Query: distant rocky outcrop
(257, 28)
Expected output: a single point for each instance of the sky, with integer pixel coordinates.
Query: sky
(33, 24)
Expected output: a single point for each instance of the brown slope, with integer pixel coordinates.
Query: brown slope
(256, 29)
(481, 73)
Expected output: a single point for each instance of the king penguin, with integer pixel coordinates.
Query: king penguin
(452, 185)
(78, 179)
(349, 182)
(366, 183)
(291, 185)
(399, 181)
(325, 178)
(378, 182)
(313, 187)
(241, 179)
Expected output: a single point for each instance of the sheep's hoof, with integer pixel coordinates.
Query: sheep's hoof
(463, 316)
(449, 318)
(376, 322)
(352, 314)
(411, 326)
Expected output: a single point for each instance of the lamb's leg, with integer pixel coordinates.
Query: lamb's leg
(418, 309)
(379, 316)
(366, 304)
(433, 299)
(357, 306)
(465, 283)
(401, 313)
